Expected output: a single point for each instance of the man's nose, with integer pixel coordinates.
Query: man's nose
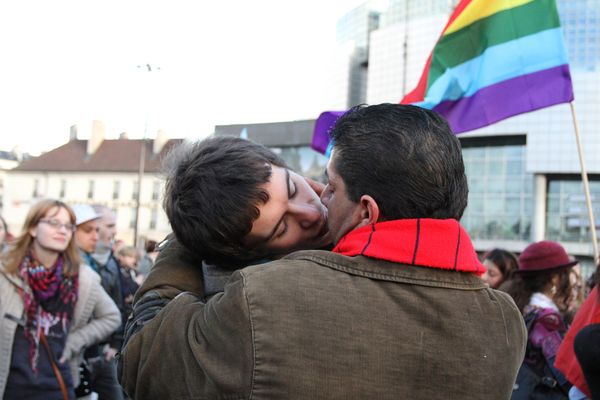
(325, 196)
(307, 214)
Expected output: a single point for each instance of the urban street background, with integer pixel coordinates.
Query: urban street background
(76, 76)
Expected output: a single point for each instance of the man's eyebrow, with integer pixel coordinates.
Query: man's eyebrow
(287, 181)
(270, 236)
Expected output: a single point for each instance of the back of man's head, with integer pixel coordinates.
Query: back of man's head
(405, 157)
(212, 191)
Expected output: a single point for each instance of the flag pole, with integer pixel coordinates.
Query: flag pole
(586, 185)
(405, 47)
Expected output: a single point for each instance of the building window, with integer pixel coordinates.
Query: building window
(155, 190)
(90, 194)
(136, 188)
(566, 208)
(304, 160)
(36, 188)
(116, 190)
(500, 190)
(63, 188)
(153, 218)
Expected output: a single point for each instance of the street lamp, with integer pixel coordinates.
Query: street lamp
(148, 68)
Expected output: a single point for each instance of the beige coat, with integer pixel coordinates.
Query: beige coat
(95, 317)
(320, 325)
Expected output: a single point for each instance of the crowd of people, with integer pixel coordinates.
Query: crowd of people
(273, 285)
(66, 288)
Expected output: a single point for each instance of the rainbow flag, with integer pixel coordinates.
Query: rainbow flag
(495, 59)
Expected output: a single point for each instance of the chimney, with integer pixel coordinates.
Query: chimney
(160, 141)
(73, 133)
(123, 136)
(17, 153)
(96, 138)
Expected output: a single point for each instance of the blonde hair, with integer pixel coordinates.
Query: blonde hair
(125, 251)
(24, 241)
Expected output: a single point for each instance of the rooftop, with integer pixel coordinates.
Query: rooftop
(122, 155)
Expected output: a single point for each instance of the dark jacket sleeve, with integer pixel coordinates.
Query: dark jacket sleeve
(111, 282)
(176, 270)
(193, 349)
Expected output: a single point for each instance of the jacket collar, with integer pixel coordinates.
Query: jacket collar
(432, 243)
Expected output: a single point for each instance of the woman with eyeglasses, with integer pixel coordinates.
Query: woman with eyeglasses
(51, 308)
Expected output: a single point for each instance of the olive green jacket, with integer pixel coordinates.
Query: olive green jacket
(176, 270)
(320, 325)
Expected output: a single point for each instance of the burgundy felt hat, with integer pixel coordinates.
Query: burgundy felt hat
(544, 256)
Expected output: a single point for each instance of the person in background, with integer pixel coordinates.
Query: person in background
(543, 278)
(127, 256)
(117, 244)
(147, 259)
(578, 357)
(500, 265)
(577, 296)
(104, 378)
(86, 233)
(52, 306)
(107, 233)
(580, 292)
(108, 267)
(541, 288)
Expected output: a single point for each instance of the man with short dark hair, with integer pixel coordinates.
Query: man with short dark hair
(396, 310)
(212, 204)
(231, 203)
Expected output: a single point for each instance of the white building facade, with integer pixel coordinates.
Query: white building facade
(8, 161)
(107, 175)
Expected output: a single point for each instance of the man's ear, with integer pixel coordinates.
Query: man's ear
(369, 211)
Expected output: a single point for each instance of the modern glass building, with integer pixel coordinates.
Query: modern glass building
(291, 140)
(524, 171)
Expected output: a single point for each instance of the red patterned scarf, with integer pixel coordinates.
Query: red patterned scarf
(49, 299)
(433, 243)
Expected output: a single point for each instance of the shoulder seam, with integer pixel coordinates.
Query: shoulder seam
(251, 333)
(390, 277)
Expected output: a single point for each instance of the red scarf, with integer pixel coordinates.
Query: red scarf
(49, 299)
(433, 243)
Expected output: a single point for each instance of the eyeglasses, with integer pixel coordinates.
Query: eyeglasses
(56, 224)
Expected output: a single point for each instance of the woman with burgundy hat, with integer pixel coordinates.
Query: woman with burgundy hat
(542, 280)
(541, 289)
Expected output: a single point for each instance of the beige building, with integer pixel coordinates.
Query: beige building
(95, 171)
(8, 161)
